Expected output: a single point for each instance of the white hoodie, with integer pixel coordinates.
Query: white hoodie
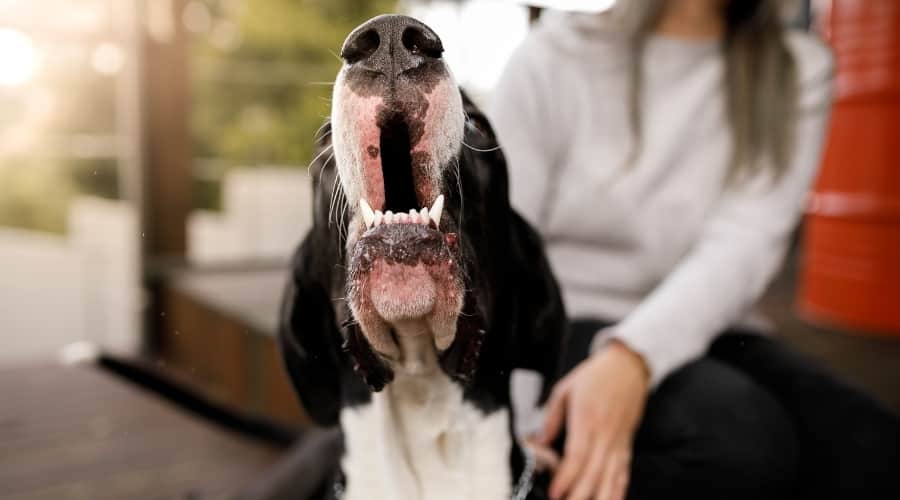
(665, 246)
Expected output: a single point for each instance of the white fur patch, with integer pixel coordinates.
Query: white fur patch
(348, 144)
(419, 440)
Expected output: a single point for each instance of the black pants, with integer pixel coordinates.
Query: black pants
(750, 420)
(754, 420)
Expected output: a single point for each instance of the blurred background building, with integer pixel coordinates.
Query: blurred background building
(152, 187)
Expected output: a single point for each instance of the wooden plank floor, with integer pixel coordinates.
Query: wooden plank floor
(869, 363)
(80, 433)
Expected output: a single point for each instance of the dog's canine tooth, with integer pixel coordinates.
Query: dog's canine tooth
(379, 218)
(436, 209)
(423, 217)
(389, 217)
(367, 213)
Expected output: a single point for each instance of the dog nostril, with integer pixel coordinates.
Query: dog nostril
(418, 42)
(361, 47)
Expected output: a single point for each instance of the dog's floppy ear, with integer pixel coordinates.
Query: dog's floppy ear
(541, 327)
(309, 336)
(517, 269)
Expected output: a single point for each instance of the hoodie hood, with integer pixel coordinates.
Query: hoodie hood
(589, 6)
(579, 32)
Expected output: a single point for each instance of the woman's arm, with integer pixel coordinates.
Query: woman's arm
(734, 258)
(525, 126)
(742, 244)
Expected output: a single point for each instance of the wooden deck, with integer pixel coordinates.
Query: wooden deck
(80, 433)
(868, 362)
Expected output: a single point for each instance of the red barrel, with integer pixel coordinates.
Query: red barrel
(850, 273)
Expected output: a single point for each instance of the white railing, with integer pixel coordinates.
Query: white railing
(83, 287)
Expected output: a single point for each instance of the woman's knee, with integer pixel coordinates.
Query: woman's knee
(712, 432)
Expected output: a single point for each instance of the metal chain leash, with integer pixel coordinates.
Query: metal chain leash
(526, 480)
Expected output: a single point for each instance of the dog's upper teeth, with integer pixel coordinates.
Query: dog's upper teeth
(436, 209)
(367, 213)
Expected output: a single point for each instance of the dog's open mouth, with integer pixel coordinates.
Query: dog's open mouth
(397, 126)
(403, 268)
(397, 168)
(402, 204)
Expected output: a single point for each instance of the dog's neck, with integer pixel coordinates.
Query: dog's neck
(420, 439)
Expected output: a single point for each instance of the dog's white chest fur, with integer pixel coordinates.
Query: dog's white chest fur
(418, 440)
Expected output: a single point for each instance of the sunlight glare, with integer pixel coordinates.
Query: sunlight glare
(18, 59)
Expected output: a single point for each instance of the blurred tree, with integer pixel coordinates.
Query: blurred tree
(261, 74)
(57, 141)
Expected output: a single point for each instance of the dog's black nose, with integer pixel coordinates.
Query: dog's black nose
(391, 44)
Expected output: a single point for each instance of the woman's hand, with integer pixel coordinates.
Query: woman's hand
(602, 401)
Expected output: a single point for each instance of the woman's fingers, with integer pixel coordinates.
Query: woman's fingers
(599, 415)
(588, 481)
(555, 413)
(605, 488)
(615, 479)
(621, 483)
(573, 462)
(546, 458)
(579, 444)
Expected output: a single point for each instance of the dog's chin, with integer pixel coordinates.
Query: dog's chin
(402, 293)
(405, 282)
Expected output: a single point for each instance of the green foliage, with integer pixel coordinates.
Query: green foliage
(45, 122)
(262, 102)
(37, 191)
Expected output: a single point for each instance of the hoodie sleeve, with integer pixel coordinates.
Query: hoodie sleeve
(742, 244)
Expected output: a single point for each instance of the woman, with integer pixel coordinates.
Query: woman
(664, 150)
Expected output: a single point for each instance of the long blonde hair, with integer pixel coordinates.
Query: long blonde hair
(760, 80)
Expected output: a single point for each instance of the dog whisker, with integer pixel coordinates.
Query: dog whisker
(326, 134)
(322, 127)
(477, 150)
(331, 201)
(321, 153)
(342, 222)
(338, 206)
(462, 204)
(327, 161)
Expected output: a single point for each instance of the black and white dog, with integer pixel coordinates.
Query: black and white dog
(419, 289)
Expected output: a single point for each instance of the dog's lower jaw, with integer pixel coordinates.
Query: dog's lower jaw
(404, 280)
(419, 439)
(417, 353)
